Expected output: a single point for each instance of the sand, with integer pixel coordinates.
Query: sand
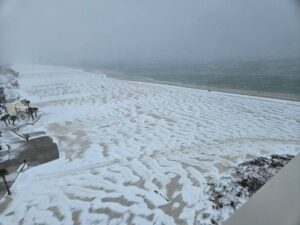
(120, 141)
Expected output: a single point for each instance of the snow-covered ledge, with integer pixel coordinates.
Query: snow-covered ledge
(277, 202)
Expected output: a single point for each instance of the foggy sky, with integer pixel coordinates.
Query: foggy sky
(134, 31)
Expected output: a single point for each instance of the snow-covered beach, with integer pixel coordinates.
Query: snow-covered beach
(138, 153)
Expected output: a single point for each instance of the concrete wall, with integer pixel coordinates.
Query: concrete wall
(276, 203)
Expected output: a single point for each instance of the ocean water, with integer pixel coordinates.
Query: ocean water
(278, 77)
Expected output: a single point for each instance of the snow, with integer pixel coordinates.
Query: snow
(120, 143)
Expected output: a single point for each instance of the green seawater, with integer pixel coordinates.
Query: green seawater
(281, 76)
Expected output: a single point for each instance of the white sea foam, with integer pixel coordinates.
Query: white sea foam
(128, 147)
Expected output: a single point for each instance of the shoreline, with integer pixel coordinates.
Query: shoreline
(277, 96)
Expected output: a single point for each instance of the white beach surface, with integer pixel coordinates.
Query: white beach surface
(122, 142)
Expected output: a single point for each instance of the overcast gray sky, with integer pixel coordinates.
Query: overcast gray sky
(110, 31)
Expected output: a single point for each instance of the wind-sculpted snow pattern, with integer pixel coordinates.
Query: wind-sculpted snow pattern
(138, 153)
